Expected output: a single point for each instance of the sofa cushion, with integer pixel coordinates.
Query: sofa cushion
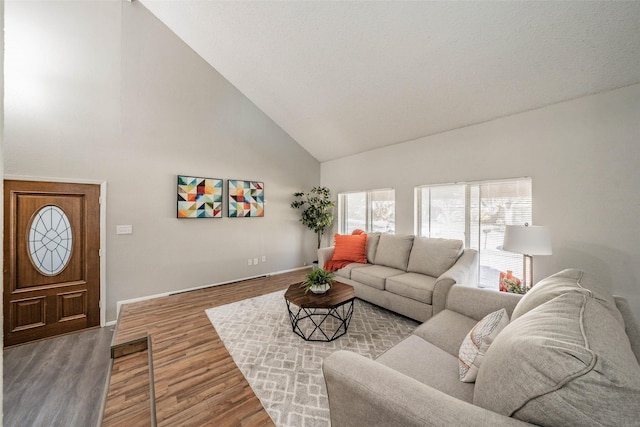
(393, 251)
(565, 362)
(346, 270)
(350, 248)
(569, 280)
(433, 256)
(446, 330)
(412, 285)
(477, 342)
(372, 245)
(374, 275)
(428, 364)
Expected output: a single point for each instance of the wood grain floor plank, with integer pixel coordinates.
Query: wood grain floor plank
(197, 382)
(129, 404)
(58, 381)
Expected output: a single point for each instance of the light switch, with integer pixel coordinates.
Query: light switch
(124, 229)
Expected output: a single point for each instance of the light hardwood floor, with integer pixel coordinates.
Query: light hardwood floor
(196, 381)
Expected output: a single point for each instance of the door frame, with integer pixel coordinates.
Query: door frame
(103, 229)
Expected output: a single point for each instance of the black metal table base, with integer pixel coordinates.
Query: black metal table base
(317, 321)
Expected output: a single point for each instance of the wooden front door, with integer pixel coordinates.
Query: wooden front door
(51, 259)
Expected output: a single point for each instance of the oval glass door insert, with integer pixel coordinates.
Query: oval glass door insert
(50, 240)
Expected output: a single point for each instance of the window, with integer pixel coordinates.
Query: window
(443, 211)
(372, 211)
(477, 214)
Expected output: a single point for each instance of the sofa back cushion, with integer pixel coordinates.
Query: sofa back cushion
(566, 362)
(569, 280)
(433, 256)
(631, 327)
(393, 250)
(372, 246)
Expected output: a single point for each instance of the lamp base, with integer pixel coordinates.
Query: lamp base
(527, 274)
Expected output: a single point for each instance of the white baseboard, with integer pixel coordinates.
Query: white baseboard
(119, 304)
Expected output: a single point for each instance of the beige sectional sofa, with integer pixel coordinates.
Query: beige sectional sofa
(568, 357)
(408, 274)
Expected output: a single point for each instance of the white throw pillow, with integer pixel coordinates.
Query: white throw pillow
(477, 342)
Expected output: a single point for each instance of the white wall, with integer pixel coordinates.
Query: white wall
(104, 91)
(583, 156)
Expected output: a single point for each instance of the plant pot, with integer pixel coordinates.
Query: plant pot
(320, 289)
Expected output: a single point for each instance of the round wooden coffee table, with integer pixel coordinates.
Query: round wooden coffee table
(320, 317)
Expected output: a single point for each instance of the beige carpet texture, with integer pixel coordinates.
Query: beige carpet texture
(284, 370)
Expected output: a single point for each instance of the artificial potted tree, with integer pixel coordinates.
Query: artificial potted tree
(318, 281)
(317, 209)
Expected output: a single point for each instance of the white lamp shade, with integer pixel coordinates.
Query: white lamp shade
(528, 240)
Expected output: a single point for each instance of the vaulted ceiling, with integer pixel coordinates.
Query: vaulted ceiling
(343, 77)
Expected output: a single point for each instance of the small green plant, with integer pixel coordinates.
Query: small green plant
(318, 277)
(317, 215)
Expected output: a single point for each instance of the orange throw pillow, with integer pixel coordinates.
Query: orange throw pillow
(350, 248)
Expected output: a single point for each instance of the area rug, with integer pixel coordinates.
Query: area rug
(284, 371)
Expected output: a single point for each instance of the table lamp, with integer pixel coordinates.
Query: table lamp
(528, 241)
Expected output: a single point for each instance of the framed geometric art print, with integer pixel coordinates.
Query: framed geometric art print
(199, 197)
(246, 198)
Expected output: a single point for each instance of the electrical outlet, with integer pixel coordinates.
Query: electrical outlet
(249, 261)
(255, 261)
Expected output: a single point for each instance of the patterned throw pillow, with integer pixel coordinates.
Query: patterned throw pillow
(477, 342)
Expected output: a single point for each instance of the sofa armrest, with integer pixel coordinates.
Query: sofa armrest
(363, 392)
(464, 271)
(477, 303)
(324, 255)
